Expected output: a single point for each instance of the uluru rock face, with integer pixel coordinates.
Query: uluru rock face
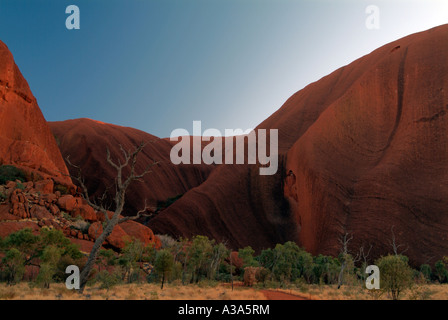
(366, 154)
(374, 163)
(363, 151)
(86, 141)
(25, 138)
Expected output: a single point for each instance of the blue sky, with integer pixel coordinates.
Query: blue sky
(157, 65)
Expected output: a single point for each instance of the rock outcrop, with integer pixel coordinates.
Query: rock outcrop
(26, 140)
(28, 208)
(86, 142)
(27, 143)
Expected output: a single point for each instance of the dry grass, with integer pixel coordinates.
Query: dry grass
(331, 292)
(24, 291)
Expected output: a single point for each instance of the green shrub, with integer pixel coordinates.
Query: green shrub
(11, 173)
(441, 271)
(262, 275)
(395, 275)
(45, 276)
(13, 266)
(20, 186)
(107, 279)
(426, 270)
(164, 264)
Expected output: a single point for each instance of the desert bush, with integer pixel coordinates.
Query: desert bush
(50, 258)
(20, 186)
(199, 254)
(11, 173)
(325, 269)
(106, 257)
(287, 262)
(163, 264)
(426, 271)
(51, 247)
(45, 276)
(108, 279)
(419, 290)
(134, 252)
(441, 271)
(395, 274)
(81, 225)
(167, 241)
(13, 266)
(262, 275)
(247, 255)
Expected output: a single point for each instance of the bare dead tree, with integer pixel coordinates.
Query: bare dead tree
(395, 246)
(344, 240)
(346, 256)
(364, 255)
(121, 185)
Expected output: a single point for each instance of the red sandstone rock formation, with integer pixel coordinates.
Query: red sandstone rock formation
(366, 149)
(85, 141)
(29, 208)
(25, 137)
(27, 142)
(363, 150)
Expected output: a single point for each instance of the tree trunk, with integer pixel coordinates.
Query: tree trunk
(341, 275)
(94, 254)
(231, 270)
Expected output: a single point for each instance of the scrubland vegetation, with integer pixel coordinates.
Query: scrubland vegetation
(33, 267)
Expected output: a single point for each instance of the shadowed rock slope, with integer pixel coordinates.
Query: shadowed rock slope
(86, 141)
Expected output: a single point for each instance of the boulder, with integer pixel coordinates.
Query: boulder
(68, 203)
(138, 231)
(95, 230)
(54, 210)
(40, 213)
(44, 186)
(85, 211)
(118, 238)
(48, 198)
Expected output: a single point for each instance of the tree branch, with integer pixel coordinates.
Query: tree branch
(139, 214)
